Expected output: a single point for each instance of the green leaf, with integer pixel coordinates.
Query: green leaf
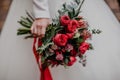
(96, 31)
(22, 32)
(79, 8)
(70, 15)
(76, 13)
(42, 59)
(73, 12)
(64, 5)
(77, 1)
(24, 24)
(66, 60)
(77, 18)
(91, 47)
(26, 20)
(29, 36)
(60, 12)
(30, 21)
(30, 16)
(43, 47)
(80, 40)
(77, 35)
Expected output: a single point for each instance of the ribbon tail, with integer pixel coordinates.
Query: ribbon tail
(34, 50)
(45, 74)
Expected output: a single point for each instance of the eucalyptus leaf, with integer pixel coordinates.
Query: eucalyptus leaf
(30, 16)
(77, 1)
(66, 60)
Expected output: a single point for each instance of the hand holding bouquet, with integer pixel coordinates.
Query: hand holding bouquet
(66, 37)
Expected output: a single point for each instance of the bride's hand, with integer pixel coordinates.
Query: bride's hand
(39, 27)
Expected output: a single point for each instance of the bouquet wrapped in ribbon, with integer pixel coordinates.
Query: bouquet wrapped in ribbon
(66, 38)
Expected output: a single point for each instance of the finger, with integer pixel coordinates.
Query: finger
(43, 30)
(39, 30)
(35, 30)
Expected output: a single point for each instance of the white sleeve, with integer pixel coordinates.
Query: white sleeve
(41, 9)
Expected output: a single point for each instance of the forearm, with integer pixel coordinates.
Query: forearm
(41, 9)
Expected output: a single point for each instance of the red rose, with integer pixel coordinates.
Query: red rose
(60, 39)
(70, 35)
(84, 47)
(72, 61)
(72, 26)
(64, 20)
(73, 52)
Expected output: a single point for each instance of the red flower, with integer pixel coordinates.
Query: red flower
(63, 50)
(64, 20)
(72, 61)
(84, 47)
(70, 35)
(80, 17)
(54, 63)
(86, 34)
(73, 52)
(60, 39)
(82, 23)
(68, 47)
(72, 26)
(59, 55)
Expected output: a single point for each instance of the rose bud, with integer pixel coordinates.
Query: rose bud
(64, 20)
(72, 61)
(60, 39)
(51, 50)
(68, 47)
(59, 55)
(82, 24)
(72, 26)
(80, 17)
(54, 47)
(86, 34)
(84, 47)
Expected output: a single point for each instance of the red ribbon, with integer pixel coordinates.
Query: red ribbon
(45, 73)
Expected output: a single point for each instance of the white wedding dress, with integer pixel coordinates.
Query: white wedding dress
(17, 61)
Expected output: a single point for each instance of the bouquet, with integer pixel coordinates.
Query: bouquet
(66, 38)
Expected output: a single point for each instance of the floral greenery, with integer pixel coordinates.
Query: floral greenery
(52, 53)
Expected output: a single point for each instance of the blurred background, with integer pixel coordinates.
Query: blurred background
(5, 6)
(115, 7)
